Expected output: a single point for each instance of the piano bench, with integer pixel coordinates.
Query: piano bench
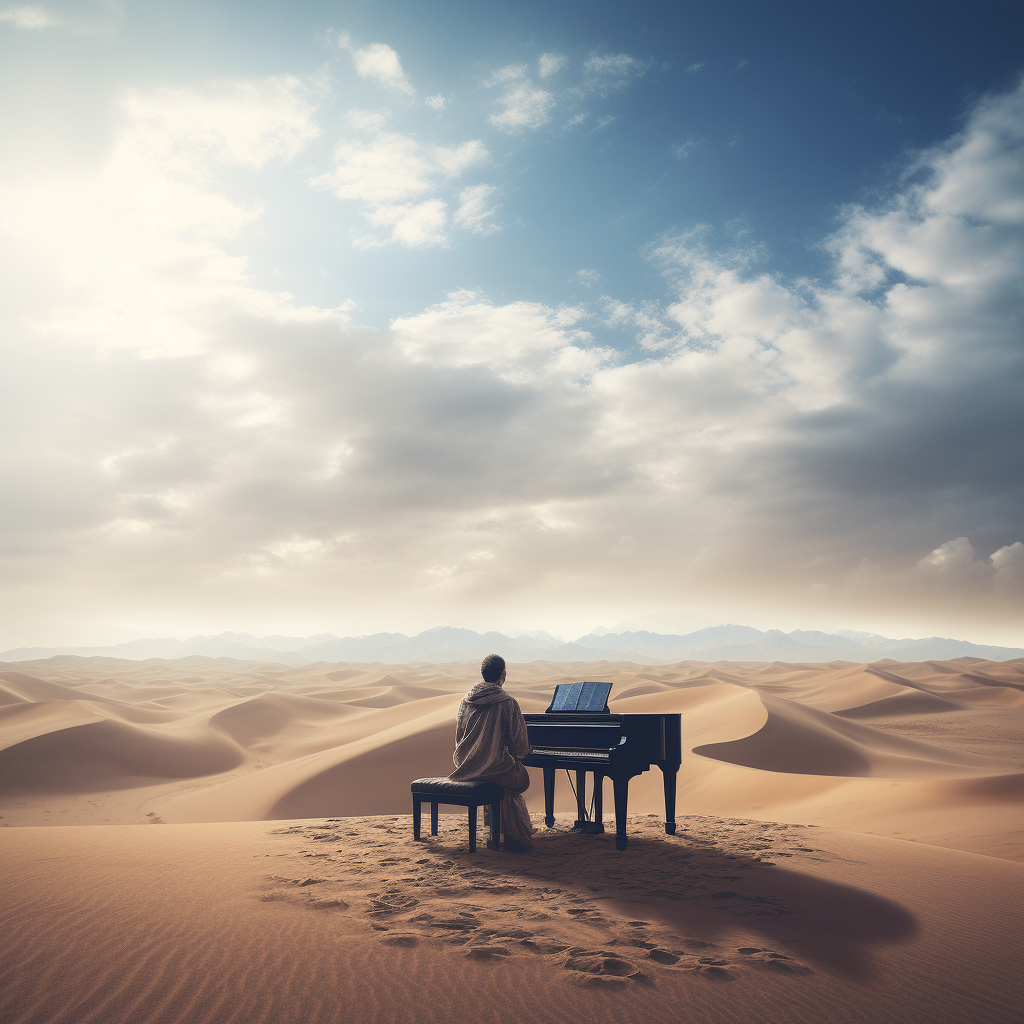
(463, 794)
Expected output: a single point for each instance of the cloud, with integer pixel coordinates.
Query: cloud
(509, 73)
(182, 439)
(393, 167)
(435, 102)
(367, 120)
(588, 277)
(550, 63)
(453, 160)
(521, 340)
(477, 209)
(412, 225)
(245, 122)
(379, 63)
(608, 72)
(28, 17)
(82, 16)
(385, 172)
(618, 65)
(681, 150)
(525, 105)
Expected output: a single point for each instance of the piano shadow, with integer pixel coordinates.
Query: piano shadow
(704, 893)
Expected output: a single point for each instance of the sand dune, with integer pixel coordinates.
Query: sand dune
(889, 748)
(245, 905)
(315, 921)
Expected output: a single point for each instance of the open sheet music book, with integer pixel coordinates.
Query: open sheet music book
(577, 697)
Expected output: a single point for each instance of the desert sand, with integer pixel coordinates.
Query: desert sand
(216, 840)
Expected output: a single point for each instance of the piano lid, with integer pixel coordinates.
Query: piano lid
(586, 698)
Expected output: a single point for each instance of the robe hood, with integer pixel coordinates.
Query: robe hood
(486, 693)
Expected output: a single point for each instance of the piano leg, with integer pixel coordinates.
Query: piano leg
(599, 801)
(621, 787)
(581, 797)
(670, 800)
(549, 797)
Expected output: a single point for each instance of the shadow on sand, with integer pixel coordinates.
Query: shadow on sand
(706, 888)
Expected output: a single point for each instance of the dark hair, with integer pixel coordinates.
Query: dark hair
(491, 668)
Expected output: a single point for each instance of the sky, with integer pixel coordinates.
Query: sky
(364, 317)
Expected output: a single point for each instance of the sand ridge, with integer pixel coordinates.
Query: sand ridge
(930, 751)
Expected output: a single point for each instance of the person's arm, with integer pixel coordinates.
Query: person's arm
(518, 739)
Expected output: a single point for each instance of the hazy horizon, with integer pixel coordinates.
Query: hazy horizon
(385, 316)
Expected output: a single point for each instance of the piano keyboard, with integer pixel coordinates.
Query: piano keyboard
(583, 755)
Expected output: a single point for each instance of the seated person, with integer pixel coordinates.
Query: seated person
(490, 740)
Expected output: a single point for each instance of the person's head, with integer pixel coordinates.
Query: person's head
(492, 668)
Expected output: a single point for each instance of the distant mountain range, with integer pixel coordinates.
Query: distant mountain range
(446, 643)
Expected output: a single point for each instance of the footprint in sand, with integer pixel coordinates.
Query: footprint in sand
(487, 952)
(663, 956)
(600, 968)
(326, 903)
(635, 951)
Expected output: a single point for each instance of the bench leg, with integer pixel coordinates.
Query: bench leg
(496, 826)
(415, 817)
(433, 817)
(549, 797)
(472, 828)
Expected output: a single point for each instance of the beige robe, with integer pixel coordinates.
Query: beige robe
(490, 738)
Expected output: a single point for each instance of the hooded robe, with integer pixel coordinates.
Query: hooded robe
(490, 738)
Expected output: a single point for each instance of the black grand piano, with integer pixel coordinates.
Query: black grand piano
(579, 733)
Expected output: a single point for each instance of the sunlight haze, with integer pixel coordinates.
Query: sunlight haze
(354, 318)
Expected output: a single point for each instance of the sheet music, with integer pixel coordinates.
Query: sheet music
(580, 696)
(593, 697)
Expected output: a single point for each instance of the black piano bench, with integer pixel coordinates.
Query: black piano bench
(463, 794)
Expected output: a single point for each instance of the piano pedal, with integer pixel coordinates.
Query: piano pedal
(590, 828)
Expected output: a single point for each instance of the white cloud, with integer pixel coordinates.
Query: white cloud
(588, 277)
(1008, 563)
(477, 209)
(81, 16)
(606, 73)
(28, 17)
(952, 556)
(379, 63)
(525, 105)
(245, 122)
(681, 150)
(694, 67)
(614, 64)
(550, 63)
(453, 160)
(393, 167)
(436, 102)
(413, 225)
(388, 168)
(385, 172)
(509, 73)
(520, 340)
(367, 120)
(796, 442)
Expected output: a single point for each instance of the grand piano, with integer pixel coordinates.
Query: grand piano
(579, 733)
